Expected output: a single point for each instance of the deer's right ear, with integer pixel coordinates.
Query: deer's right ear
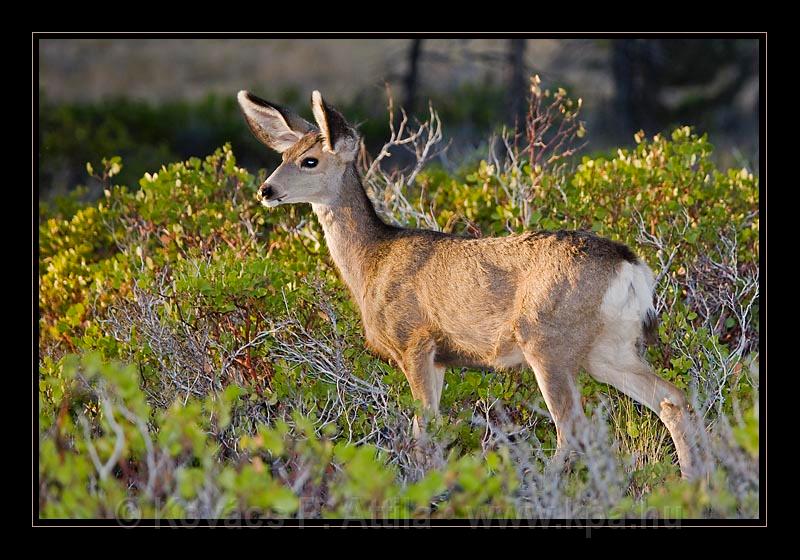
(338, 136)
(276, 127)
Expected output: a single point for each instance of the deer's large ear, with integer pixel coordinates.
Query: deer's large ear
(275, 126)
(338, 136)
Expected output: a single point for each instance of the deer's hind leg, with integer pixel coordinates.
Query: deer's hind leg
(615, 360)
(556, 374)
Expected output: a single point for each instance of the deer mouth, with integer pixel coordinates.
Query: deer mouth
(273, 202)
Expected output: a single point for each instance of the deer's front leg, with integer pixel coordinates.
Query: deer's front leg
(424, 376)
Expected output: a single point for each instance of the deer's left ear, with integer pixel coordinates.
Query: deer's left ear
(339, 137)
(275, 126)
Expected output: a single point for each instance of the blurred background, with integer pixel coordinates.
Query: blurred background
(153, 101)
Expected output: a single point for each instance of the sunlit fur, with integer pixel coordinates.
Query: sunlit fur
(553, 301)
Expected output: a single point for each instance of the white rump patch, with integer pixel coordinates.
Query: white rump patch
(626, 303)
(630, 295)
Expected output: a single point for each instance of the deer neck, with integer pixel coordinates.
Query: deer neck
(352, 228)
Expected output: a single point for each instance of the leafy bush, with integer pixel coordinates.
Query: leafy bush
(200, 358)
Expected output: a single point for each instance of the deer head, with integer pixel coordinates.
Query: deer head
(315, 158)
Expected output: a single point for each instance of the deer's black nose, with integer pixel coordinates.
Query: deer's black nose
(265, 190)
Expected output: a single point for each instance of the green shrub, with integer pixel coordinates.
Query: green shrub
(200, 358)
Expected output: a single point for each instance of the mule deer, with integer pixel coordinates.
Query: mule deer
(554, 301)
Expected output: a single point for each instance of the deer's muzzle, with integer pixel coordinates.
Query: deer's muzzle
(266, 191)
(269, 196)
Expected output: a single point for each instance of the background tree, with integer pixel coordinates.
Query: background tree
(665, 82)
(411, 77)
(517, 81)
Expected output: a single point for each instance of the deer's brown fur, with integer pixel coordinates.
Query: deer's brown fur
(554, 301)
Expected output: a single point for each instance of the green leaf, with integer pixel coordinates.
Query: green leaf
(75, 314)
(283, 500)
(272, 441)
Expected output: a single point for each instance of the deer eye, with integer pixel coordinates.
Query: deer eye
(310, 162)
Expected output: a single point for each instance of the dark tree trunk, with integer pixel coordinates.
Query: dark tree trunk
(621, 63)
(517, 86)
(412, 75)
(635, 64)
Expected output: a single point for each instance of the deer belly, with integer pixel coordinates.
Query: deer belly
(504, 353)
(511, 358)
